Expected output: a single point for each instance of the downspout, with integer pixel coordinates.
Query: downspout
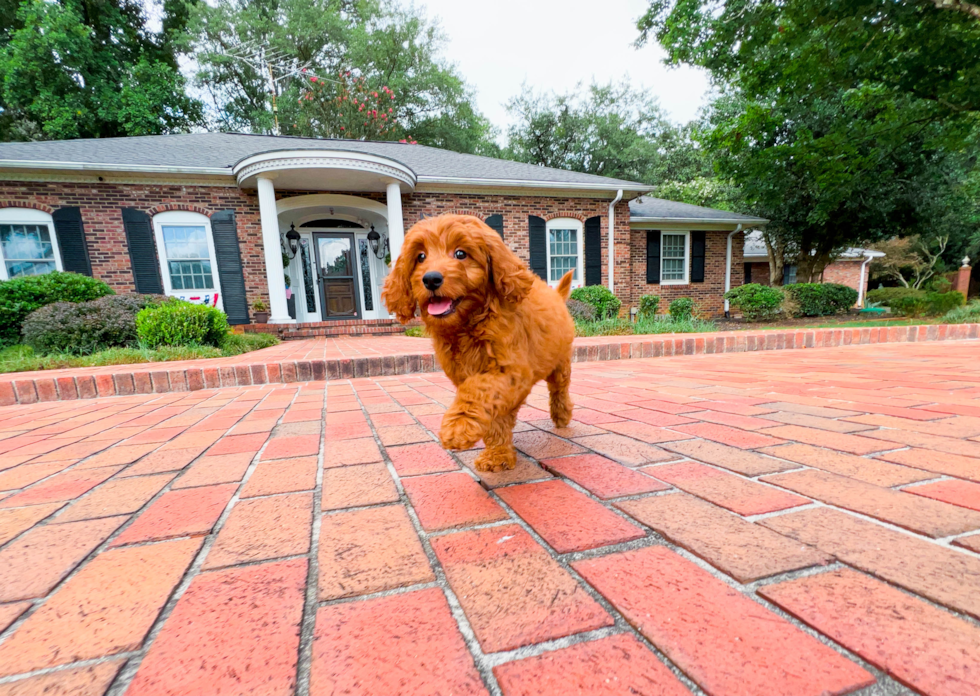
(864, 267)
(612, 237)
(728, 265)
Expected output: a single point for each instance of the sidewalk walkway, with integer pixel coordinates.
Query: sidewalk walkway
(336, 358)
(718, 524)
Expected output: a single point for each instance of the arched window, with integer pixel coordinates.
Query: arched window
(185, 246)
(28, 244)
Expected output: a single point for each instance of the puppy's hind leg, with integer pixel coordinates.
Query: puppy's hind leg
(561, 400)
(499, 454)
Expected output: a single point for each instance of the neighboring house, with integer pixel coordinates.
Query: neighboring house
(208, 216)
(850, 268)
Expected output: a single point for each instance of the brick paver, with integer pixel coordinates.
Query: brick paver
(314, 536)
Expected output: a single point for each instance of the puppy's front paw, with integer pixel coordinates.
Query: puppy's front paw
(459, 432)
(496, 459)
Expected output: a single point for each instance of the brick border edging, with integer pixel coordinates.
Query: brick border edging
(29, 391)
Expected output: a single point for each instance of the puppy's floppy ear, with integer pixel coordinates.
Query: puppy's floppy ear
(397, 292)
(511, 279)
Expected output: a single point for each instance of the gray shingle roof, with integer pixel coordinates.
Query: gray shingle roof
(224, 150)
(660, 209)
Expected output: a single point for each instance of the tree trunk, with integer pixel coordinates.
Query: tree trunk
(775, 250)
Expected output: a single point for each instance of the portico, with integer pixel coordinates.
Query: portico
(334, 271)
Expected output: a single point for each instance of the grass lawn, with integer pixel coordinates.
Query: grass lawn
(22, 359)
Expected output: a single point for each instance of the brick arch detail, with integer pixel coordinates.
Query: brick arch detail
(168, 207)
(566, 214)
(464, 211)
(27, 204)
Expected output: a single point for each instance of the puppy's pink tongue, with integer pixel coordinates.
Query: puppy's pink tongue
(439, 306)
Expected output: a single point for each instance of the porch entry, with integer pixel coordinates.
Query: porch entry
(341, 277)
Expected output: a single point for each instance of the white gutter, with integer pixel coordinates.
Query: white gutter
(97, 167)
(728, 264)
(868, 257)
(612, 237)
(695, 221)
(527, 183)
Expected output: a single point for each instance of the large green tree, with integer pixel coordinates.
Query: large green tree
(89, 69)
(350, 48)
(842, 121)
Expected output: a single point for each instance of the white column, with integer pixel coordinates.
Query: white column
(396, 226)
(275, 274)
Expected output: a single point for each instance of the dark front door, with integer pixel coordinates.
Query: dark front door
(335, 269)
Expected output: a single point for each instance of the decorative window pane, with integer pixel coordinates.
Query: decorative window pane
(366, 275)
(789, 275)
(563, 253)
(188, 259)
(304, 248)
(673, 259)
(27, 250)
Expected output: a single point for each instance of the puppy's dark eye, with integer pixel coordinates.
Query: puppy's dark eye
(421, 257)
(460, 254)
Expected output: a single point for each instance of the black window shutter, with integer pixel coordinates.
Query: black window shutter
(142, 251)
(538, 246)
(496, 222)
(593, 251)
(653, 257)
(748, 273)
(697, 257)
(228, 256)
(71, 240)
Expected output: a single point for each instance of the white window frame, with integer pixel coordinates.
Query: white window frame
(29, 216)
(187, 218)
(687, 257)
(566, 224)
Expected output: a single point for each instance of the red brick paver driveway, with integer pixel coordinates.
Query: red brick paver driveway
(793, 524)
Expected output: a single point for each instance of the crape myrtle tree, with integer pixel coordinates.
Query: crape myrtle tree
(90, 69)
(378, 52)
(842, 121)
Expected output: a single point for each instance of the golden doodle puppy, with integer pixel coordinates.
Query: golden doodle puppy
(497, 328)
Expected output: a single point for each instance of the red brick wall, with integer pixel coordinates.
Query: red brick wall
(844, 272)
(100, 205)
(708, 295)
(760, 273)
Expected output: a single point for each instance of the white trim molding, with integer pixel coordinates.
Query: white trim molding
(330, 200)
(29, 216)
(283, 160)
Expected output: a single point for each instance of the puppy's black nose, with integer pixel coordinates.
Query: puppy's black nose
(432, 280)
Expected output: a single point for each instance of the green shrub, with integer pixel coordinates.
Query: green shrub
(580, 311)
(940, 284)
(681, 309)
(648, 306)
(822, 299)
(236, 344)
(885, 296)
(82, 328)
(21, 296)
(968, 314)
(929, 304)
(415, 332)
(756, 302)
(177, 323)
(605, 303)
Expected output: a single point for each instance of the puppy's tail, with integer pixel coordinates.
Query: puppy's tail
(565, 286)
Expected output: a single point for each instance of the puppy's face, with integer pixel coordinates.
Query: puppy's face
(450, 267)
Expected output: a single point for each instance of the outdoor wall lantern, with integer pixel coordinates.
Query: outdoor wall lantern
(379, 244)
(292, 241)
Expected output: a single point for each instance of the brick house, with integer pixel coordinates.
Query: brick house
(850, 268)
(211, 217)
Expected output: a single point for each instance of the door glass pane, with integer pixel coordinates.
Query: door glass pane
(308, 287)
(362, 245)
(673, 257)
(27, 250)
(335, 256)
(563, 248)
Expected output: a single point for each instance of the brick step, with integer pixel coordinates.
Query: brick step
(354, 327)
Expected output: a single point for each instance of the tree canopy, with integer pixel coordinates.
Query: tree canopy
(352, 49)
(89, 69)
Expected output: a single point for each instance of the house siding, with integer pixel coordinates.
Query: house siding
(101, 208)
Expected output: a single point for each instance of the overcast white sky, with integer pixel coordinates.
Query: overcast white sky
(554, 44)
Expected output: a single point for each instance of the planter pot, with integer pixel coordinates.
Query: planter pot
(261, 317)
(289, 293)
